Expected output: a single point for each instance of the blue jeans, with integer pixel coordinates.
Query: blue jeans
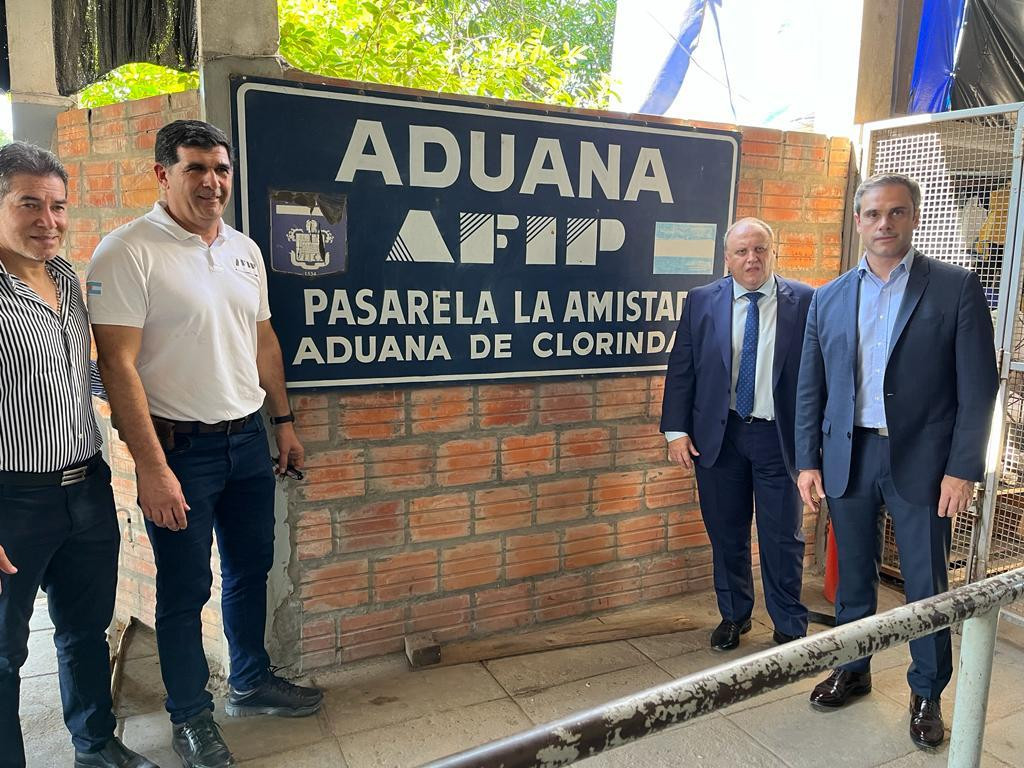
(66, 541)
(228, 482)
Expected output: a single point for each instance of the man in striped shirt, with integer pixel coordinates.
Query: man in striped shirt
(58, 527)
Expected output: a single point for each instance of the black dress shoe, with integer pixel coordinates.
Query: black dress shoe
(782, 637)
(835, 690)
(926, 727)
(113, 755)
(727, 635)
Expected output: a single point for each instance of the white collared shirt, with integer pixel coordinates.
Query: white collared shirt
(198, 306)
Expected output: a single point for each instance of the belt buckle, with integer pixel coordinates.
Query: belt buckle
(748, 420)
(233, 425)
(73, 476)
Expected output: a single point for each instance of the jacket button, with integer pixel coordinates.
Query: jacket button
(849, 434)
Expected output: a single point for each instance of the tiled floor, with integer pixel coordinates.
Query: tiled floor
(380, 714)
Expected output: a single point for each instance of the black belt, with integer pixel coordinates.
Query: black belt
(749, 419)
(72, 475)
(201, 427)
(880, 431)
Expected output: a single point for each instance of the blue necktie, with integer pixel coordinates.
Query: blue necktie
(748, 358)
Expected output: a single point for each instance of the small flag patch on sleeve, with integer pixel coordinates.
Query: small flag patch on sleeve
(93, 288)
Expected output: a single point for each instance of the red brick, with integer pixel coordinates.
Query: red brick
(371, 526)
(781, 214)
(506, 407)
(762, 134)
(640, 536)
(756, 161)
(584, 449)
(617, 492)
(334, 587)
(401, 467)
(145, 106)
(827, 189)
(527, 455)
(761, 148)
(816, 167)
(99, 168)
(563, 500)
(138, 198)
(439, 517)
(405, 575)
(790, 188)
(112, 129)
(71, 117)
(531, 555)
(470, 565)
(588, 545)
(140, 181)
(185, 100)
(502, 509)
(565, 402)
(804, 138)
(685, 530)
(372, 634)
(560, 596)
(103, 199)
(639, 444)
(752, 186)
(441, 410)
(447, 618)
(781, 201)
(461, 462)
(622, 404)
(503, 608)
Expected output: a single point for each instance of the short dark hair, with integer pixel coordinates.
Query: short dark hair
(187, 133)
(22, 157)
(888, 180)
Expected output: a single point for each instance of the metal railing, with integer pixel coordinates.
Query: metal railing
(619, 722)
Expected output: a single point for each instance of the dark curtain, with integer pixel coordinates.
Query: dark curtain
(93, 37)
(990, 68)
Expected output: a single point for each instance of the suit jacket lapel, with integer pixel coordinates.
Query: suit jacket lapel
(785, 324)
(851, 307)
(916, 283)
(722, 319)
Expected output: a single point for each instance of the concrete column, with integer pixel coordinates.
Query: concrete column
(35, 102)
(879, 30)
(235, 37)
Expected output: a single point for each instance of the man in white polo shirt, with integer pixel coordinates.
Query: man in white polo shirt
(178, 301)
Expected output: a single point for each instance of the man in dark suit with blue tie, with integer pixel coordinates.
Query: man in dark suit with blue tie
(894, 406)
(728, 409)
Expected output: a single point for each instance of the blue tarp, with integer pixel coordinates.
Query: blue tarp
(936, 47)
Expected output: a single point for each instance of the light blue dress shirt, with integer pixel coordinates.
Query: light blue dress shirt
(878, 306)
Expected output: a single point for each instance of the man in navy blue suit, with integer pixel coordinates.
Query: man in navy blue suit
(894, 406)
(730, 394)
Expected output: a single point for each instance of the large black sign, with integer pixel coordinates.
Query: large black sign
(413, 239)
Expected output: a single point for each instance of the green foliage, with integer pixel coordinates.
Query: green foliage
(137, 81)
(553, 51)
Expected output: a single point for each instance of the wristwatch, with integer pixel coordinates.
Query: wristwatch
(286, 419)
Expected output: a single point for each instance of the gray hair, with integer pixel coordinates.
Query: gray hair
(888, 180)
(750, 220)
(22, 157)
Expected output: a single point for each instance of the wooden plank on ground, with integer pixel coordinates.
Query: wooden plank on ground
(638, 622)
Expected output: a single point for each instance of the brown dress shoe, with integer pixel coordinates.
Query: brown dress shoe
(926, 727)
(835, 690)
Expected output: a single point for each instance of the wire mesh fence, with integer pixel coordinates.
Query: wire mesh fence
(965, 164)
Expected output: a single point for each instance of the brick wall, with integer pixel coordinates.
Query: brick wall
(472, 509)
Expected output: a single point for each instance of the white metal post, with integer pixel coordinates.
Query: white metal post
(976, 650)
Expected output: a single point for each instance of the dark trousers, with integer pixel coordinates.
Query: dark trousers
(749, 472)
(922, 538)
(66, 541)
(228, 482)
